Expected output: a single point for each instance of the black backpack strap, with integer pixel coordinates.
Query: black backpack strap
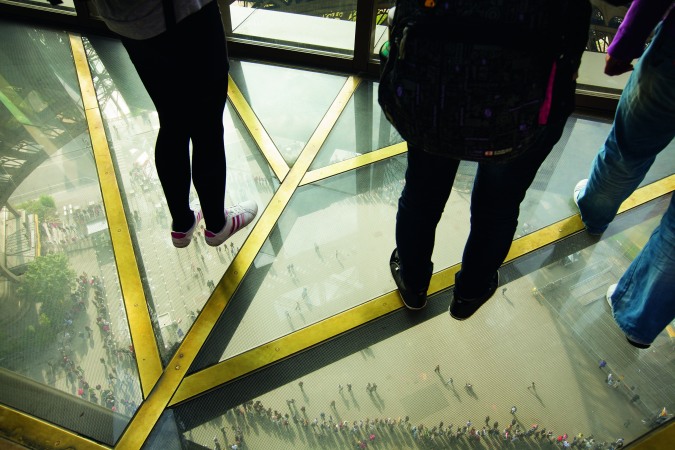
(169, 14)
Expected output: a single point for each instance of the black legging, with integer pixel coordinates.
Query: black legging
(185, 71)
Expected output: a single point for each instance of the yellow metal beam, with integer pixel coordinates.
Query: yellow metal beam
(648, 193)
(285, 346)
(38, 240)
(573, 224)
(661, 438)
(140, 326)
(35, 433)
(354, 163)
(257, 131)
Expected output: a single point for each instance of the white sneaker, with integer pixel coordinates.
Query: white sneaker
(581, 185)
(610, 292)
(236, 218)
(182, 239)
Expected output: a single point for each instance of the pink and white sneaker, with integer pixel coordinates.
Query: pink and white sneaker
(182, 239)
(236, 218)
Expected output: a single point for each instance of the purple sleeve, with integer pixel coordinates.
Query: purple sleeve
(640, 20)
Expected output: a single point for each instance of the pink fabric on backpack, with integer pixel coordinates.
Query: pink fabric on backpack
(545, 108)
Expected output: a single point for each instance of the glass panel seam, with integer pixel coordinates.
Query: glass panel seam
(257, 131)
(354, 163)
(138, 316)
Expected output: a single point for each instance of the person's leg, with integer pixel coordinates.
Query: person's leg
(159, 71)
(428, 182)
(495, 205)
(206, 68)
(644, 300)
(643, 126)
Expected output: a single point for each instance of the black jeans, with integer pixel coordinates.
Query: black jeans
(498, 190)
(185, 72)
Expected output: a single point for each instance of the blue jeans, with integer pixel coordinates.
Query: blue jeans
(644, 125)
(497, 193)
(644, 302)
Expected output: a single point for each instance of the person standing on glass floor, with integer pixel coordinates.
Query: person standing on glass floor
(436, 47)
(643, 302)
(178, 48)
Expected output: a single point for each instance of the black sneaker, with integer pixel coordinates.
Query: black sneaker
(411, 300)
(637, 344)
(463, 308)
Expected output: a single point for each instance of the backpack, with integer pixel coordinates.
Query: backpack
(471, 79)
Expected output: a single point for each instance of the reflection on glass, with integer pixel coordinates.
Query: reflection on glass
(605, 19)
(289, 103)
(531, 369)
(381, 29)
(62, 319)
(326, 26)
(323, 25)
(65, 5)
(317, 25)
(361, 128)
(178, 282)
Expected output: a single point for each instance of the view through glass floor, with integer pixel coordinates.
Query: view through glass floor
(177, 281)
(546, 345)
(289, 103)
(63, 327)
(304, 273)
(327, 253)
(361, 128)
(307, 273)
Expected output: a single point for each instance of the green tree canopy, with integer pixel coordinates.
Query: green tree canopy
(44, 207)
(48, 281)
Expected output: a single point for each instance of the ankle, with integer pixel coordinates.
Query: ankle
(183, 226)
(216, 227)
(469, 288)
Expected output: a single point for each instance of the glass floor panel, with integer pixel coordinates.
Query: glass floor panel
(538, 345)
(289, 103)
(63, 327)
(317, 272)
(320, 271)
(361, 128)
(177, 282)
